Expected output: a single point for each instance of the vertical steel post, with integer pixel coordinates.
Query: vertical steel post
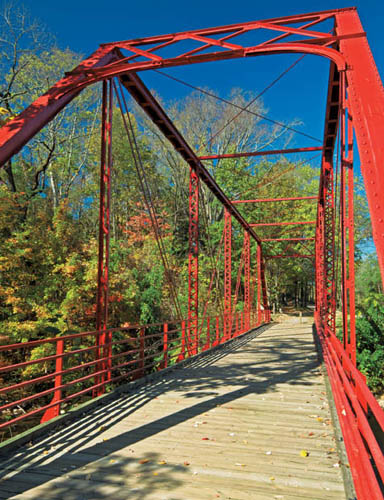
(165, 345)
(103, 338)
(247, 279)
(227, 274)
(193, 262)
(347, 226)
(267, 315)
(181, 356)
(259, 319)
(54, 411)
(142, 352)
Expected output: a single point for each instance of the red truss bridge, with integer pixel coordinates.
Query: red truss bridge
(213, 406)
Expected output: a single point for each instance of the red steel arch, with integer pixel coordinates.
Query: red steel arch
(355, 103)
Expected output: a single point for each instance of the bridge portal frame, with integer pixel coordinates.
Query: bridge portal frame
(355, 90)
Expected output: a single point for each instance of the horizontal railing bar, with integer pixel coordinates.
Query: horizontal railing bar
(176, 347)
(361, 418)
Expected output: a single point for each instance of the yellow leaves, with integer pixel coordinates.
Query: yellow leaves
(3, 111)
(304, 453)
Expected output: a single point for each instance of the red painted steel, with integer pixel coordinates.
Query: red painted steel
(165, 346)
(54, 411)
(108, 61)
(104, 228)
(247, 279)
(193, 261)
(155, 112)
(287, 239)
(325, 229)
(366, 104)
(75, 381)
(282, 223)
(259, 284)
(297, 198)
(355, 404)
(227, 274)
(292, 256)
(354, 91)
(347, 227)
(261, 153)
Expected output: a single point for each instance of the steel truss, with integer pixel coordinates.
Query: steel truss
(354, 91)
(193, 263)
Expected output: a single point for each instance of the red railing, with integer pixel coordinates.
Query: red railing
(361, 417)
(61, 370)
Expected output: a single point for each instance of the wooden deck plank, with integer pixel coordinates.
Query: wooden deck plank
(231, 426)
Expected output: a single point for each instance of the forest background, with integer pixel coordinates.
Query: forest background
(49, 207)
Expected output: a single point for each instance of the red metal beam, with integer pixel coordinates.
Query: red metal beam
(247, 278)
(193, 263)
(347, 226)
(287, 239)
(107, 62)
(261, 153)
(295, 255)
(103, 338)
(268, 200)
(258, 284)
(17, 132)
(282, 223)
(155, 112)
(366, 103)
(263, 283)
(227, 327)
(325, 227)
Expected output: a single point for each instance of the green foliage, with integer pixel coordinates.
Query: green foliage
(370, 341)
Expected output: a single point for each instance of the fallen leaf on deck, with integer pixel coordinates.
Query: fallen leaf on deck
(311, 434)
(304, 453)
(186, 463)
(155, 473)
(205, 439)
(319, 419)
(143, 461)
(162, 462)
(112, 461)
(271, 478)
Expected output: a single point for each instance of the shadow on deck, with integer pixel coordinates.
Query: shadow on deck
(92, 458)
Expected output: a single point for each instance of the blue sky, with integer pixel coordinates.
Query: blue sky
(83, 25)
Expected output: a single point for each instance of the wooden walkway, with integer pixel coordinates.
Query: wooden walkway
(233, 425)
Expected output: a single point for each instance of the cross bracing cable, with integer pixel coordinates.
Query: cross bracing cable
(259, 115)
(142, 178)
